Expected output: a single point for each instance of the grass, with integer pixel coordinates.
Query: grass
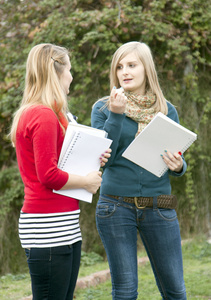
(197, 272)
(15, 287)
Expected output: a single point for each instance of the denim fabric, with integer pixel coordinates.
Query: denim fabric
(117, 224)
(54, 271)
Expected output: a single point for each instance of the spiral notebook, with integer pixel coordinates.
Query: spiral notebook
(162, 133)
(72, 127)
(82, 156)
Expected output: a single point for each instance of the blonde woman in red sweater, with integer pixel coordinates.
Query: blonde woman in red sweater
(49, 223)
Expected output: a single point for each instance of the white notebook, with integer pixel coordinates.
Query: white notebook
(82, 156)
(160, 134)
(72, 127)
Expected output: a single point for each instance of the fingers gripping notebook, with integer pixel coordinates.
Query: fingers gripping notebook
(160, 134)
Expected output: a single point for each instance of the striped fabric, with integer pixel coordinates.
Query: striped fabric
(49, 230)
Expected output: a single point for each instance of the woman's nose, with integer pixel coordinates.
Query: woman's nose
(124, 70)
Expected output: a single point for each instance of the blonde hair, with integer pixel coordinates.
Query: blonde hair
(44, 66)
(144, 55)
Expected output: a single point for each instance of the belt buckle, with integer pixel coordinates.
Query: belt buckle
(136, 203)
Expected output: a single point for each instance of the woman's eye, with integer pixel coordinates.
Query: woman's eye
(132, 65)
(119, 67)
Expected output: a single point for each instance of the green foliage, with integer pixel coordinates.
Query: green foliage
(198, 249)
(178, 33)
(11, 190)
(90, 259)
(11, 198)
(91, 239)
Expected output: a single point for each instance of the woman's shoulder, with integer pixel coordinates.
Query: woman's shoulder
(101, 105)
(172, 111)
(40, 110)
(170, 105)
(39, 113)
(102, 102)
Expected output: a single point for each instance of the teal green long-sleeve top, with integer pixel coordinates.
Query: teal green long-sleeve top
(122, 177)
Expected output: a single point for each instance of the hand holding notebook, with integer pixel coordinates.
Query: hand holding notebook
(160, 134)
(81, 156)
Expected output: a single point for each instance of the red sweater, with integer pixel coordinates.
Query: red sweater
(39, 140)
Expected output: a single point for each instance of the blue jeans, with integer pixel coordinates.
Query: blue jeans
(117, 224)
(54, 271)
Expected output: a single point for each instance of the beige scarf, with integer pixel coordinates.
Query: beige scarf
(141, 108)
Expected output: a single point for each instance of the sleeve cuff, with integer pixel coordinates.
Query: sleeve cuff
(176, 174)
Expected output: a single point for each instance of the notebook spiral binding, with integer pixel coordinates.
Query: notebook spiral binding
(69, 150)
(165, 168)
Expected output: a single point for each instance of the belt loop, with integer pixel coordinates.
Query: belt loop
(120, 200)
(155, 204)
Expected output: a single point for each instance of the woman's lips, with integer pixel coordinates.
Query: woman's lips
(127, 80)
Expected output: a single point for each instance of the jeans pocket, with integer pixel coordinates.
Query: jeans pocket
(40, 254)
(105, 210)
(62, 250)
(167, 214)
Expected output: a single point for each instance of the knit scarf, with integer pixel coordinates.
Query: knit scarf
(140, 108)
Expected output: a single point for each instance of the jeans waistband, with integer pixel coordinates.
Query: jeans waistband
(161, 201)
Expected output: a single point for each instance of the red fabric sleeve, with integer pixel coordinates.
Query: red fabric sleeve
(45, 138)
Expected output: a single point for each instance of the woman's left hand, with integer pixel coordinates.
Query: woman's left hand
(173, 161)
(104, 157)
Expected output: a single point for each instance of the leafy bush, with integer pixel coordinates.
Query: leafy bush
(11, 197)
(90, 259)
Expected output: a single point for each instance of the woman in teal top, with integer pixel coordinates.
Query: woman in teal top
(131, 198)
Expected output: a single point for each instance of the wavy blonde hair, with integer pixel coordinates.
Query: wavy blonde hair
(144, 55)
(44, 66)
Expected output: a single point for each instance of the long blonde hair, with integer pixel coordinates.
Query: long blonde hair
(44, 66)
(144, 54)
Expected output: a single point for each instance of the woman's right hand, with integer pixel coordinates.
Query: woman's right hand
(93, 181)
(117, 101)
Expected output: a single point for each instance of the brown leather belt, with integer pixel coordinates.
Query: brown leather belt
(163, 201)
